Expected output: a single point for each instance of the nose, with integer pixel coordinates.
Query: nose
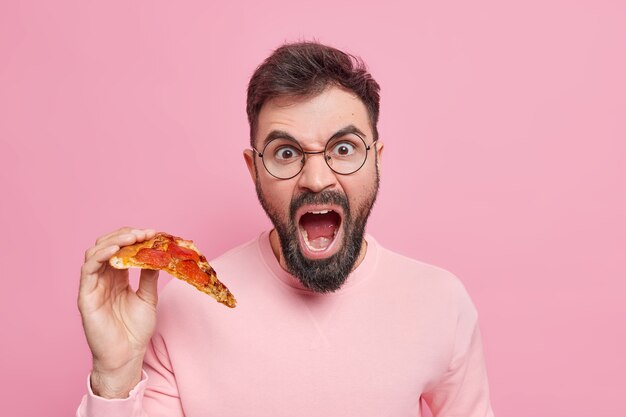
(316, 176)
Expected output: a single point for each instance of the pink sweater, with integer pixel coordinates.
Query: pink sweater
(397, 331)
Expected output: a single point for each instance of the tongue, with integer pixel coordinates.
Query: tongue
(320, 228)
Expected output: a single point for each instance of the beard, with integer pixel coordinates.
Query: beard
(329, 274)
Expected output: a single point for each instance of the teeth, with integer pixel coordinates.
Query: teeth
(308, 244)
(326, 241)
(320, 212)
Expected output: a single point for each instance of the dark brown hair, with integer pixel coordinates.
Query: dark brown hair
(305, 69)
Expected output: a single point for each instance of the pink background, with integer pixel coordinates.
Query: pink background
(505, 162)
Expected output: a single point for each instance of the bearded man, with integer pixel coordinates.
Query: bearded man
(328, 323)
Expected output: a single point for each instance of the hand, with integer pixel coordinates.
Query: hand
(118, 321)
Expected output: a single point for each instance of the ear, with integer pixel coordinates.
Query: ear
(248, 156)
(379, 152)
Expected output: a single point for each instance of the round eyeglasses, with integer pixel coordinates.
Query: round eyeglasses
(344, 154)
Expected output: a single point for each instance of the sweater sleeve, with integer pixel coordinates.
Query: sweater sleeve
(463, 389)
(156, 395)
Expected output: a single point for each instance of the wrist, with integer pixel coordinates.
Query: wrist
(116, 383)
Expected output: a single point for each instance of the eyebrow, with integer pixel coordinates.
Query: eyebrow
(349, 129)
(276, 134)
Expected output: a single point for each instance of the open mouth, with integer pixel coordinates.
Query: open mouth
(319, 230)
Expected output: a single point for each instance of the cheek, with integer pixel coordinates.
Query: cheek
(277, 194)
(359, 189)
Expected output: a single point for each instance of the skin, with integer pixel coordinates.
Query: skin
(312, 121)
(119, 321)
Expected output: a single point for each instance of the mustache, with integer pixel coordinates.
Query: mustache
(325, 197)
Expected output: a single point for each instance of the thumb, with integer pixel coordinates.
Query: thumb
(147, 289)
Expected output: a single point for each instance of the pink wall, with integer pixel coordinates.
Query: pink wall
(505, 162)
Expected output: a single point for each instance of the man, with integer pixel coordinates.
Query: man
(328, 322)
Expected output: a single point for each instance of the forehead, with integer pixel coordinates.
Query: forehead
(313, 120)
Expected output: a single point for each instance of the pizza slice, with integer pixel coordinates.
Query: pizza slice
(179, 258)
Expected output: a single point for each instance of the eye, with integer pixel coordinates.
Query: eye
(343, 149)
(286, 153)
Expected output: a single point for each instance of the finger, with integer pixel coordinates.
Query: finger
(121, 237)
(118, 240)
(147, 289)
(143, 234)
(99, 257)
(120, 231)
(140, 233)
(90, 269)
